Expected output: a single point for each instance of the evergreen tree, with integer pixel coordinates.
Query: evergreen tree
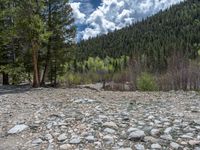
(31, 30)
(35, 36)
(59, 22)
(154, 38)
(7, 47)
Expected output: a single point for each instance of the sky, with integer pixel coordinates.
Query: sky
(97, 17)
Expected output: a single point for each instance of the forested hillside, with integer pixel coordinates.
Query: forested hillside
(160, 52)
(155, 38)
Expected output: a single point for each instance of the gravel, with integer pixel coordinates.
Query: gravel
(53, 119)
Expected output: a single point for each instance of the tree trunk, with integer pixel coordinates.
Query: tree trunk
(36, 79)
(46, 65)
(44, 74)
(55, 74)
(5, 79)
(48, 47)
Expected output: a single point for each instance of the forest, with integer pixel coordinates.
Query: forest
(37, 45)
(35, 40)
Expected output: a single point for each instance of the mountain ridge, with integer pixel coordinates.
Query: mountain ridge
(174, 29)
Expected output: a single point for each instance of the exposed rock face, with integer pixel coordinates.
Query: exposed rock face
(69, 119)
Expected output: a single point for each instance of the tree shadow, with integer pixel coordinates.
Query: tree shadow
(13, 89)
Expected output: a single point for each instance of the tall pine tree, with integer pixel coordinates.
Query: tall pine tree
(59, 19)
(31, 29)
(7, 36)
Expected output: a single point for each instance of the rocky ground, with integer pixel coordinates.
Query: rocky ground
(85, 119)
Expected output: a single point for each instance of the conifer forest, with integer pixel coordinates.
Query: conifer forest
(38, 46)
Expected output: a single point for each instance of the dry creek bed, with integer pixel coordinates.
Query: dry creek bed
(84, 119)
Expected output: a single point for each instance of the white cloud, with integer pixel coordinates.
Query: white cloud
(84, 7)
(80, 17)
(116, 14)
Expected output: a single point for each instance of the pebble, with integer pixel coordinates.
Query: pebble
(168, 130)
(62, 137)
(136, 135)
(17, 129)
(65, 147)
(139, 147)
(64, 119)
(131, 130)
(37, 141)
(197, 122)
(75, 140)
(84, 101)
(156, 146)
(155, 132)
(125, 149)
(150, 139)
(110, 125)
(48, 137)
(166, 137)
(90, 138)
(108, 139)
(194, 142)
(108, 130)
(174, 145)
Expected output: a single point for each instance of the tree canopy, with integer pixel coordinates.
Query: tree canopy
(35, 37)
(153, 39)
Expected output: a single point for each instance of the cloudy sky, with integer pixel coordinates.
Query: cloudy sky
(95, 17)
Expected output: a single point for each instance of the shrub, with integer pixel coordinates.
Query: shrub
(121, 76)
(146, 82)
(16, 72)
(70, 79)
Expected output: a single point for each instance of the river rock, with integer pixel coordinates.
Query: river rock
(17, 129)
(136, 135)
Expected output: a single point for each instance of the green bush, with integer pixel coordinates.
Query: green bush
(92, 70)
(16, 73)
(70, 79)
(146, 82)
(121, 76)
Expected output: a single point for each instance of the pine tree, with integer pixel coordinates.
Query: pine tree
(7, 49)
(31, 29)
(35, 35)
(174, 29)
(59, 19)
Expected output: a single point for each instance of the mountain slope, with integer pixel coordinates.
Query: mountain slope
(156, 37)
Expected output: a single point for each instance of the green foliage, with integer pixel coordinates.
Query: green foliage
(155, 38)
(107, 65)
(121, 76)
(99, 65)
(70, 79)
(29, 23)
(35, 34)
(16, 72)
(146, 82)
(93, 69)
(7, 32)
(60, 22)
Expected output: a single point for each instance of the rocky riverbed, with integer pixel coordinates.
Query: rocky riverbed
(84, 119)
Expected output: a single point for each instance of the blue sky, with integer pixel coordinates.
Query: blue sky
(96, 17)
